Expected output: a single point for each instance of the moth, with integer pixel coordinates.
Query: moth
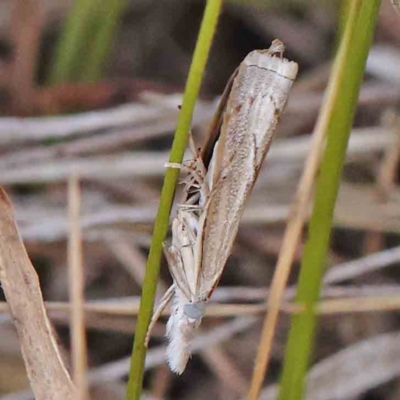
(219, 181)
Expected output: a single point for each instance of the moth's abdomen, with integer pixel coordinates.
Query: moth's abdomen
(180, 332)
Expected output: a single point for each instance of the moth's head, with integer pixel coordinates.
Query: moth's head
(194, 311)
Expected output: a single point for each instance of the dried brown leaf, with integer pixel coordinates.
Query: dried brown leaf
(48, 376)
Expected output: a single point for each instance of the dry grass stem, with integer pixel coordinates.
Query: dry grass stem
(370, 263)
(335, 300)
(157, 115)
(147, 116)
(363, 143)
(29, 130)
(76, 289)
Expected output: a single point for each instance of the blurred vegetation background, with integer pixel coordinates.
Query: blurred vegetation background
(95, 87)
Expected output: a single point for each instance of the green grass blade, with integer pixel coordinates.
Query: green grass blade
(200, 56)
(109, 16)
(85, 40)
(71, 46)
(337, 115)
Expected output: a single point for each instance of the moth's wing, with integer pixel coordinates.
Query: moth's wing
(259, 94)
(223, 212)
(274, 78)
(257, 98)
(176, 269)
(214, 128)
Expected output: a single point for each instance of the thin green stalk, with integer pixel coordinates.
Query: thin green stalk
(203, 45)
(85, 40)
(337, 115)
(109, 15)
(71, 46)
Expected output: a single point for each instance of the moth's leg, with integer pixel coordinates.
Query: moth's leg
(196, 169)
(193, 181)
(190, 224)
(184, 234)
(196, 155)
(163, 303)
(196, 175)
(192, 187)
(193, 210)
(175, 266)
(197, 188)
(192, 166)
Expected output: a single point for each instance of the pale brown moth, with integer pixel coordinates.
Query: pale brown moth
(218, 184)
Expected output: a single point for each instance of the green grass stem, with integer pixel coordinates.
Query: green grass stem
(337, 115)
(85, 40)
(71, 45)
(109, 15)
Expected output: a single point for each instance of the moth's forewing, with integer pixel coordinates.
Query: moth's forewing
(258, 95)
(214, 129)
(220, 228)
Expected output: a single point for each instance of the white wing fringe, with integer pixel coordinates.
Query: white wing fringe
(180, 332)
